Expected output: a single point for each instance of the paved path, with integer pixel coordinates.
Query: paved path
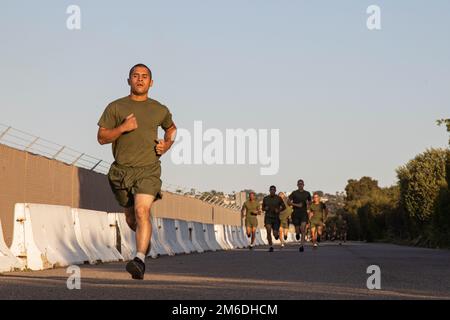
(331, 272)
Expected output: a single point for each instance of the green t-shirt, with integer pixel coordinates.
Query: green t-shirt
(285, 214)
(136, 148)
(273, 205)
(301, 198)
(318, 212)
(251, 208)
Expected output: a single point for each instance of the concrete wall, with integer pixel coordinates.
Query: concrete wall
(25, 177)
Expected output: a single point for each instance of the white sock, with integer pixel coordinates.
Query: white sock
(140, 256)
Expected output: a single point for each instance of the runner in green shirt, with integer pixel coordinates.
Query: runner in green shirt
(251, 208)
(272, 206)
(285, 218)
(131, 125)
(300, 200)
(317, 216)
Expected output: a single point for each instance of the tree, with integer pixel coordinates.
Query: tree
(445, 122)
(421, 180)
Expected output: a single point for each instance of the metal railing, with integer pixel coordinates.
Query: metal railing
(24, 141)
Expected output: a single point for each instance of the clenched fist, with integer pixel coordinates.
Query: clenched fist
(161, 147)
(129, 124)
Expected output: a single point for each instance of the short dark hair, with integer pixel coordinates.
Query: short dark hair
(140, 65)
(300, 180)
(272, 187)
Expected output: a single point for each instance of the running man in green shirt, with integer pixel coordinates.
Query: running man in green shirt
(272, 206)
(131, 125)
(251, 208)
(285, 218)
(317, 216)
(300, 200)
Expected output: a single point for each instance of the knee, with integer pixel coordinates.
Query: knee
(142, 213)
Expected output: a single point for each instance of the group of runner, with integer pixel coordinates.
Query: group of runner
(306, 213)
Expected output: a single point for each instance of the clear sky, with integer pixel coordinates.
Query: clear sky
(348, 101)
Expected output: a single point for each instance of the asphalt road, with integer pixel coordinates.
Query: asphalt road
(330, 272)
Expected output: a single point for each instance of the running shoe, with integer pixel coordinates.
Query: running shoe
(301, 249)
(136, 268)
(271, 249)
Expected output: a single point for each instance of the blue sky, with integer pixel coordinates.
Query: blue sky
(348, 101)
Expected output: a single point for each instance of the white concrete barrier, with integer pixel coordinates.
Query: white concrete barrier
(237, 234)
(230, 237)
(8, 262)
(263, 232)
(219, 230)
(259, 241)
(126, 235)
(210, 237)
(128, 240)
(92, 229)
(198, 237)
(243, 235)
(44, 237)
(183, 236)
(168, 232)
(159, 244)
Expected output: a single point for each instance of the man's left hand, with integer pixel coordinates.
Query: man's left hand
(162, 147)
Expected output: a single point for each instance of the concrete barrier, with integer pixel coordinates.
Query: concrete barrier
(259, 241)
(263, 233)
(221, 237)
(231, 237)
(198, 237)
(168, 232)
(44, 237)
(210, 237)
(8, 262)
(243, 234)
(160, 246)
(183, 236)
(93, 232)
(237, 234)
(125, 236)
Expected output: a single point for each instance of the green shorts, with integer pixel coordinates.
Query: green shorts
(298, 218)
(251, 222)
(126, 182)
(315, 224)
(284, 223)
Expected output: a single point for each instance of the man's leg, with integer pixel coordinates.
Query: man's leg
(303, 231)
(319, 232)
(297, 231)
(269, 233)
(142, 206)
(253, 235)
(249, 231)
(314, 234)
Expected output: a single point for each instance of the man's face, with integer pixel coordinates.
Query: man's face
(273, 191)
(140, 81)
(300, 185)
(252, 196)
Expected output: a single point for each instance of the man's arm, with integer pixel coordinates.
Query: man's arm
(169, 138)
(105, 136)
